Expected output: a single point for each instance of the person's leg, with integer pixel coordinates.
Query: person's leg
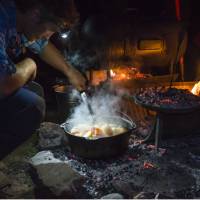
(20, 115)
(36, 88)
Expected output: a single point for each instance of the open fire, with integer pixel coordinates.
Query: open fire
(117, 74)
(127, 73)
(196, 89)
(170, 172)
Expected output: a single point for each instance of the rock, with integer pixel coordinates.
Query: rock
(44, 157)
(17, 190)
(60, 179)
(4, 180)
(2, 166)
(113, 196)
(15, 186)
(51, 135)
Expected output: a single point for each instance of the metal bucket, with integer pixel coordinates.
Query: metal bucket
(65, 101)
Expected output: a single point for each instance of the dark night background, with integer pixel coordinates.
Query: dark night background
(139, 11)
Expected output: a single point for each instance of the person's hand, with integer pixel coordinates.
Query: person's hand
(77, 79)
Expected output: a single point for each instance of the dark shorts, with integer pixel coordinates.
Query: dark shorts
(20, 115)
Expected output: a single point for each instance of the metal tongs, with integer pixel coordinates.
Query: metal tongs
(84, 98)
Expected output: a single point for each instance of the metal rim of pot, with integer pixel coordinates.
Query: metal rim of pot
(66, 128)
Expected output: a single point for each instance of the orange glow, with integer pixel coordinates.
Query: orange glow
(196, 89)
(98, 76)
(117, 74)
(148, 165)
(126, 73)
(112, 74)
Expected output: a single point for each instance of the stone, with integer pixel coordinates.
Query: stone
(51, 135)
(43, 157)
(4, 180)
(60, 179)
(17, 190)
(113, 196)
(15, 186)
(2, 166)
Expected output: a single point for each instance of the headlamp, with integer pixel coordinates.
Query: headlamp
(64, 33)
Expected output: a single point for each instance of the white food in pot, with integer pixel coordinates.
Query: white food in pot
(107, 130)
(97, 131)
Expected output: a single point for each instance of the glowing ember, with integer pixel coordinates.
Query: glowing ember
(196, 89)
(117, 74)
(112, 74)
(126, 73)
(148, 165)
(98, 76)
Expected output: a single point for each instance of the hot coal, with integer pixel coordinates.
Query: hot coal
(168, 97)
(172, 172)
(101, 174)
(141, 169)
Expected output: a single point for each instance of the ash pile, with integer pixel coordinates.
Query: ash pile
(172, 172)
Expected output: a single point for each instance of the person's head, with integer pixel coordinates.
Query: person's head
(41, 18)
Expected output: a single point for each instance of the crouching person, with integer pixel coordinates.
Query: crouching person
(21, 110)
(29, 24)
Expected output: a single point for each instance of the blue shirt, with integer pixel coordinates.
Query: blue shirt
(11, 42)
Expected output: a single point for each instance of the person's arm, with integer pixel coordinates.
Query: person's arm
(25, 71)
(54, 58)
(12, 76)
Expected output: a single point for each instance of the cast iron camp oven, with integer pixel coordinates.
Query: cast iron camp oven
(177, 110)
(168, 100)
(66, 102)
(102, 147)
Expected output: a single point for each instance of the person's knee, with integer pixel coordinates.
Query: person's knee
(33, 116)
(40, 108)
(25, 111)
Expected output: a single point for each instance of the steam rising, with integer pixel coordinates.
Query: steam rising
(105, 107)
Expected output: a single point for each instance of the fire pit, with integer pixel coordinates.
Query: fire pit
(173, 171)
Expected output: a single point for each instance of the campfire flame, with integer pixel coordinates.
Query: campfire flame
(196, 89)
(117, 74)
(112, 73)
(126, 73)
